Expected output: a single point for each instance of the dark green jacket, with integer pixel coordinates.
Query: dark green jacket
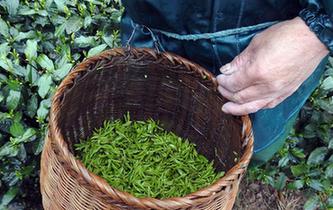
(206, 16)
(213, 32)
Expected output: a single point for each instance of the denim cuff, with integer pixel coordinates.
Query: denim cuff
(320, 24)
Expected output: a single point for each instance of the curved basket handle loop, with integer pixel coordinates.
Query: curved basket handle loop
(157, 45)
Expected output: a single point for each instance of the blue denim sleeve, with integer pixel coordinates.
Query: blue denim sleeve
(318, 15)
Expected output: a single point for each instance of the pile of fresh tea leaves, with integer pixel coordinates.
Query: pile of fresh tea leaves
(141, 158)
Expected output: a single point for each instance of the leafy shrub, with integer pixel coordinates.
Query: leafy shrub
(306, 160)
(40, 41)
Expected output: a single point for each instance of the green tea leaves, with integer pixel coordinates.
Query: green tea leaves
(12, 6)
(60, 30)
(96, 50)
(316, 184)
(4, 49)
(73, 24)
(87, 21)
(83, 41)
(4, 29)
(8, 197)
(329, 171)
(317, 155)
(13, 99)
(43, 109)
(312, 203)
(44, 85)
(16, 129)
(61, 72)
(141, 158)
(40, 41)
(45, 62)
(60, 4)
(280, 182)
(298, 184)
(298, 170)
(31, 50)
(327, 83)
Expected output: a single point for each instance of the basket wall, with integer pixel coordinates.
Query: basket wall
(165, 87)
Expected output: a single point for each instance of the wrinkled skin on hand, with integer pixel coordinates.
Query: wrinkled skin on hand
(273, 66)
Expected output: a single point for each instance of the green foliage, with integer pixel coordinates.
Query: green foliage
(307, 157)
(40, 41)
(142, 158)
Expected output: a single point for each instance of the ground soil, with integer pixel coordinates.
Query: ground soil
(258, 196)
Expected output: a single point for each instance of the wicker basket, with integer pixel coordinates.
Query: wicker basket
(165, 87)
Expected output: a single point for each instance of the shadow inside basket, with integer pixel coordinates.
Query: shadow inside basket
(181, 99)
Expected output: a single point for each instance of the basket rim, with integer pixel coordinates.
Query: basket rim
(197, 197)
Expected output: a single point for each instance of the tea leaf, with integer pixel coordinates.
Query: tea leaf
(4, 30)
(312, 203)
(12, 6)
(141, 158)
(8, 196)
(73, 24)
(317, 155)
(13, 99)
(96, 50)
(45, 62)
(31, 50)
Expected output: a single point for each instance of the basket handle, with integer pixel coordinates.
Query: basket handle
(157, 45)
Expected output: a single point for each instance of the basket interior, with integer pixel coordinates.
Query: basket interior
(180, 99)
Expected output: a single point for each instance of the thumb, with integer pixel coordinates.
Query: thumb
(237, 77)
(234, 65)
(227, 69)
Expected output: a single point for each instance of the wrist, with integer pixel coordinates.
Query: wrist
(310, 36)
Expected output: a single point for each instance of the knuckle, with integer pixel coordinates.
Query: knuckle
(239, 97)
(239, 60)
(260, 73)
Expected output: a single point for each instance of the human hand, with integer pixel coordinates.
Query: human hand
(273, 66)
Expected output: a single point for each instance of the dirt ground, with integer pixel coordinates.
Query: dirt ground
(258, 196)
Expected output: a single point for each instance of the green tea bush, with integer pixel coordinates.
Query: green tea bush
(40, 41)
(306, 160)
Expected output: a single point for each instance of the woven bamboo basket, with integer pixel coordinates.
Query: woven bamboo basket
(163, 86)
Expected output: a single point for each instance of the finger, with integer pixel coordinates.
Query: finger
(237, 77)
(243, 109)
(234, 82)
(228, 69)
(240, 61)
(274, 102)
(246, 95)
(281, 98)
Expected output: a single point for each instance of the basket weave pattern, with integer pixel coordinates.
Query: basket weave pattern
(165, 87)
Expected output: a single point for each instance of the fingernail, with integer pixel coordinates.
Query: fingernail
(225, 68)
(225, 109)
